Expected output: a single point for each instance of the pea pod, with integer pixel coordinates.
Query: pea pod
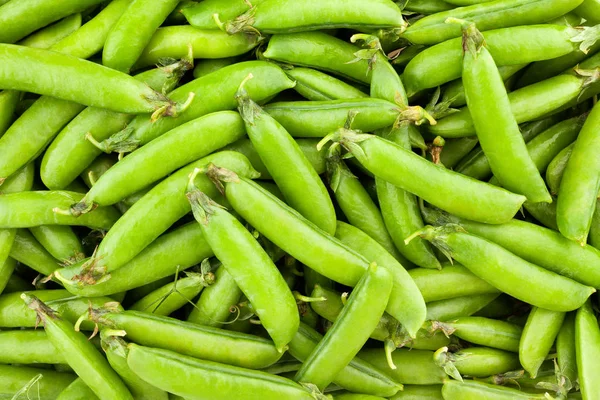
(174, 295)
(484, 332)
(527, 104)
(493, 15)
(213, 306)
(216, 92)
(8, 104)
(27, 250)
(77, 390)
(28, 347)
(292, 172)
(589, 10)
(122, 48)
(489, 107)
(350, 330)
(452, 280)
(419, 392)
(473, 390)
(477, 362)
(82, 356)
(20, 19)
(175, 42)
(198, 137)
(587, 334)
(433, 183)
(449, 309)
(556, 168)
(44, 38)
(357, 376)
(428, 6)
(357, 205)
(318, 86)
(400, 210)
(60, 241)
(320, 51)
(580, 183)
(509, 46)
(566, 355)
(208, 379)
(508, 272)
(281, 16)
(405, 294)
(124, 94)
(318, 118)
(70, 152)
(108, 259)
(201, 15)
(524, 239)
(413, 367)
(16, 380)
(275, 306)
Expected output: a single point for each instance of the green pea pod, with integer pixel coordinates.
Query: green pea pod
(496, 14)
(175, 42)
(281, 16)
(169, 195)
(60, 241)
(77, 390)
(566, 356)
(122, 47)
(473, 390)
(215, 91)
(44, 38)
(553, 136)
(405, 297)
(70, 152)
(556, 168)
(400, 210)
(318, 86)
(350, 330)
(115, 349)
(15, 314)
(207, 379)
(320, 51)
(508, 272)
(580, 183)
(454, 93)
(318, 118)
(82, 356)
(413, 367)
(495, 125)
(300, 184)
(174, 295)
(275, 306)
(28, 347)
(357, 376)
(356, 204)
(464, 306)
(477, 362)
(543, 212)
(154, 161)
(456, 150)
(123, 93)
(594, 237)
(587, 335)
(527, 104)
(213, 306)
(419, 392)
(516, 45)
(524, 239)
(590, 10)
(27, 250)
(201, 15)
(20, 19)
(428, 6)
(210, 65)
(452, 280)
(8, 104)
(175, 251)
(37, 209)
(431, 182)
(484, 332)
(20, 380)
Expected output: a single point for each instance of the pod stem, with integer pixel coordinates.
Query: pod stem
(437, 236)
(90, 273)
(446, 360)
(307, 299)
(589, 76)
(248, 109)
(219, 175)
(202, 206)
(42, 311)
(472, 39)
(315, 392)
(176, 69)
(336, 168)
(242, 23)
(415, 114)
(346, 137)
(122, 142)
(172, 109)
(585, 36)
(443, 327)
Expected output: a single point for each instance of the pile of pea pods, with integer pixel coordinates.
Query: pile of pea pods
(299, 199)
